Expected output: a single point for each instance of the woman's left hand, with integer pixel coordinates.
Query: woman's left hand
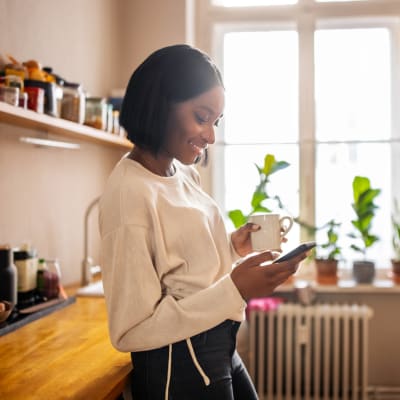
(241, 238)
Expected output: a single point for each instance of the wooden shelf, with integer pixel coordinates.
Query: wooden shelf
(29, 119)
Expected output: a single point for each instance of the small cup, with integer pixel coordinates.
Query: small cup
(273, 229)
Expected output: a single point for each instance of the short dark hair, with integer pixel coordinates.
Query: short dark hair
(169, 75)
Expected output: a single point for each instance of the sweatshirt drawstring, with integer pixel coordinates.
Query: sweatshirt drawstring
(206, 379)
(196, 363)
(168, 371)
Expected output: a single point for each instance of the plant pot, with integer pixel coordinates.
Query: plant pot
(363, 271)
(396, 271)
(326, 271)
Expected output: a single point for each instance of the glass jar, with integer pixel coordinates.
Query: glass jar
(96, 112)
(9, 94)
(48, 279)
(26, 261)
(73, 102)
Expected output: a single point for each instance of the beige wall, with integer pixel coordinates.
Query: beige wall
(44, 192)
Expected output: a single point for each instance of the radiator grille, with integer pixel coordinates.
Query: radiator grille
(313, 352)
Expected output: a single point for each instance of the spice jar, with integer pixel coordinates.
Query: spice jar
(8, 276)
(9, 95)
(96, 112)
(73, 103)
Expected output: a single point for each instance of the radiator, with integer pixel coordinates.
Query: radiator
(310, 353)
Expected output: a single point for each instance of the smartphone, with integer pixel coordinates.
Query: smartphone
(295, 252)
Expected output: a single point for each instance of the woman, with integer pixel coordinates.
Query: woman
(173, 299)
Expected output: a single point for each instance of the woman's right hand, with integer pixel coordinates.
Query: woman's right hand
(255, 280)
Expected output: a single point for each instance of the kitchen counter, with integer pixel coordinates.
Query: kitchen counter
(65, 355)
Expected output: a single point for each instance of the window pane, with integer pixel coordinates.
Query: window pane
(353, 103)
(248, 3)
(336, 167)
(261, 79)
(241, 178)
(352, 68)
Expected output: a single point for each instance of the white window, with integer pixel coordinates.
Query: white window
(317, 86)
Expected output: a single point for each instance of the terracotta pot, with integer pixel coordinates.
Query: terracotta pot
(326, 271)
(363, 271)
(396, 271)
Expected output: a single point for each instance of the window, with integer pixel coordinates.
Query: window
(250, 3)
(318, 91)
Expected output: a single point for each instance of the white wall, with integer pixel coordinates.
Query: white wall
(44, 192)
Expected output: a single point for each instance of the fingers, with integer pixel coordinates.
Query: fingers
(251, 227)
(263, 256)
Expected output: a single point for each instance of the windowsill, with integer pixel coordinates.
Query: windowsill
(379, 286)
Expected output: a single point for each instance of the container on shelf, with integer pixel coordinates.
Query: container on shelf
(35, 99)
(9, 95)
(73, 103)
(96, 112)
(26, 261)
(50, 101)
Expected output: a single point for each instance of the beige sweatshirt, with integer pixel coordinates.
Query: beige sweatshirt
(166, 258)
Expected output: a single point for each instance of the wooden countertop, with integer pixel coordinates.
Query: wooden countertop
(65, 355)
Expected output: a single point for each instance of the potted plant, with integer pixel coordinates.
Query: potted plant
(396, 242)
(327, 255)
(364, 208)
(260, 195)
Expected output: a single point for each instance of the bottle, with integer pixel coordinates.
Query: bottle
(40, 280)
(26, 261)
(8, 276)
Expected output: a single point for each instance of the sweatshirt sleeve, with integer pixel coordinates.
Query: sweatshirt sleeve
(140, 316)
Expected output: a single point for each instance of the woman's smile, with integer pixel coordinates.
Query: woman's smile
(198, 146)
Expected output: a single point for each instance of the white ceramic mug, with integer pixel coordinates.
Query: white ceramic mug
(273, 229)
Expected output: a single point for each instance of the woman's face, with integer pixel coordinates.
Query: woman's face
(191, 124)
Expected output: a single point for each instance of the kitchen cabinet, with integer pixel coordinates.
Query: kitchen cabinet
(60, 127)
(65, 355)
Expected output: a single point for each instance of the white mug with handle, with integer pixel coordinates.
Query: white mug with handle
(273, 228)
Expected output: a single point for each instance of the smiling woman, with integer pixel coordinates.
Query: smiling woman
(174, 299)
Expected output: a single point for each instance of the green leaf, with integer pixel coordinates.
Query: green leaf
(258, 198)
(278, 166)
(269, 162)
(366, 198)
(356, 248)
(261, 209)
(360, 185)
(237, 217)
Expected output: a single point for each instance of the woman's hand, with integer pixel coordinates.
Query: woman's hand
(241, 238)
(255, 280)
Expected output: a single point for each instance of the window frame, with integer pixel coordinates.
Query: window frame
(211, 22)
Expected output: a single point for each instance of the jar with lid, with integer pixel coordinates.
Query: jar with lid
(73, 102)
(26, 261)
(96, 112)
(8, 276)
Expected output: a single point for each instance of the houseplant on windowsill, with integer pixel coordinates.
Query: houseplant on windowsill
(396, 242)
(327, 255)
(364, 208)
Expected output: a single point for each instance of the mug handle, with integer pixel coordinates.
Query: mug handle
(285, 229)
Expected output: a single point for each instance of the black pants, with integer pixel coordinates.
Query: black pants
(216, 354)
